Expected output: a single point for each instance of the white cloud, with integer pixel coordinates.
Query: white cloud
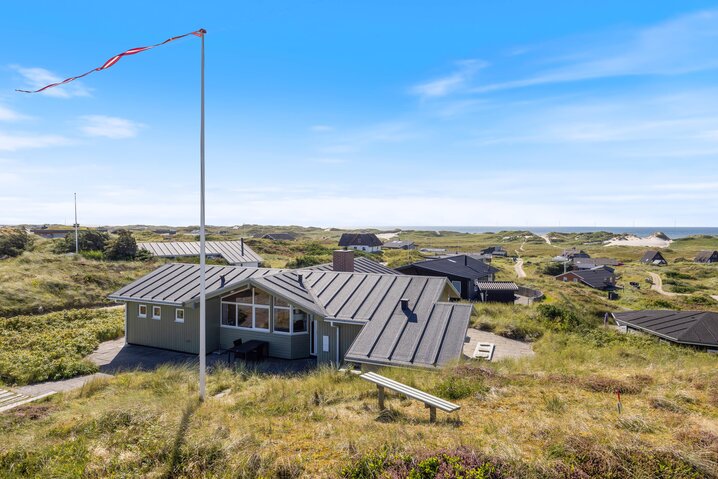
(466, 69)
(6, 114)
(36, 78)
(321, 128)
(109, 127)
(681, 45)
(23, 141)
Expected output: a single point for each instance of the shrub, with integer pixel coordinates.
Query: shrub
(551, 269)
(458, 387)
(124, 247)
(558, 317)
(88, 240)
(13, 241)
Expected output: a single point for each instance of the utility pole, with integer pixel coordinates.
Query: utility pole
(77, 227)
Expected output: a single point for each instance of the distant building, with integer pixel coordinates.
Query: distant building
(591, 263)
(407, 245)
(344, 260)
(462, 270)
(165, 232)
(278, 236)
(361, 241)
(574, 253)
(653, 257)
(233, 252)
(494, 251)
(692, 328)
(598, 278)
(48, 233)
(707, 257)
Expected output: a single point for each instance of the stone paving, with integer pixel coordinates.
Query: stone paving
(505, 347)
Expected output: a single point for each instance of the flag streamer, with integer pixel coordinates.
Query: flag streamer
(115, 59)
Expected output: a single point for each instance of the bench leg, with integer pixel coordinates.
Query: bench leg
(380, 394)
(432, 414)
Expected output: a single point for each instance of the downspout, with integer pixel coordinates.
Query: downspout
(126, 322)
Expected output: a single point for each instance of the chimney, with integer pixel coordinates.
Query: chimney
(343, 260)
(300, 279)
(241, 245)
(222, 281)
(404, 304)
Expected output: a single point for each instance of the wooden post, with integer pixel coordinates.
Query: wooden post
(380, 390)
(432, 413)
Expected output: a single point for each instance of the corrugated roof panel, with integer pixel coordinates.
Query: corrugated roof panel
(231, 251)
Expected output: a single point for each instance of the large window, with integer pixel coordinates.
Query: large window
(248, 309)
(288, 319)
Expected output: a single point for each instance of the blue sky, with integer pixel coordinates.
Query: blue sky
(365, 113)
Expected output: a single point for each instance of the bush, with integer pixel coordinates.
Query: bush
(88, 240)
(13, 241)
(558, 317)
(122, 248)
(551, 269)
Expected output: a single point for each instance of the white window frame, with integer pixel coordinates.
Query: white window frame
(292, 310)
(140, 314)
(177, 318)
(254, 307)
(156, 317)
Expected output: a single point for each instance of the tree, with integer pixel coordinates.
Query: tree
(124, 247)
(13, 241)
(88, 240)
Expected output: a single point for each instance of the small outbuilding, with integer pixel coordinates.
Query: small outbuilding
(653, 257)
(361, 241)
(406, 245)
(693, 328)
(494, 251)
(707, 257)
(497, 291)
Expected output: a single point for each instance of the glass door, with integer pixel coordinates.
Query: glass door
(313, 337)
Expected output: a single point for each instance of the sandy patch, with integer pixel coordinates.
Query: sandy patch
(387, 236)
(649, 241)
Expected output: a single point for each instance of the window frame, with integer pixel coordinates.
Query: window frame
(159, 316)
(292, 310)
(177, 319)
(140, 314)
(253, 306)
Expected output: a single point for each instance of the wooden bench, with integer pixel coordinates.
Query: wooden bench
(431, 402)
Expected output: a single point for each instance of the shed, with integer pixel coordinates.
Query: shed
(407, 245)
(497, 291)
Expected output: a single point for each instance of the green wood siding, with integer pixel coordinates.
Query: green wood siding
(347, 334)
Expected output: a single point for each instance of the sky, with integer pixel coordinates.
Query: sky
(364, 113)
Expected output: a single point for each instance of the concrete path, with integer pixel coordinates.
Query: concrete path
(546, 238)
(519, 268)
(657, 286)
(505, 347)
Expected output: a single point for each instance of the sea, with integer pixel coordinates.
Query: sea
(673, 232)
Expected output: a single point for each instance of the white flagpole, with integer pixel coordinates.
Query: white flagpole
(202, 266)
(76, 225)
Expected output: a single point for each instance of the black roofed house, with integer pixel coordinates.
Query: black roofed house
(707, 257)
(279, 236)
(335, 316)
(407, 245)
(361, 241)
(494, 251)
(653, 257)
(590, 263)
(462, 270)
(693, 328)
(602, 278)
(574, 253)
(497, 291)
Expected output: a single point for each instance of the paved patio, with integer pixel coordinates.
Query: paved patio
(505, 347)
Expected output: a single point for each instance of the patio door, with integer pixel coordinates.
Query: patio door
(313, 337)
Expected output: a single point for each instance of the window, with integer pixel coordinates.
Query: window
(156, 312)
(142, 311)
(248, 309)
(457, 285)
(325, 344)
(288, 319)
(179, 315)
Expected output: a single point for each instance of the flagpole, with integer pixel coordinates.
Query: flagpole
(76, 225)
(202, 265)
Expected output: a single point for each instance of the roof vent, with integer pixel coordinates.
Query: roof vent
(222, 281)
(300, 278)
(404, 303)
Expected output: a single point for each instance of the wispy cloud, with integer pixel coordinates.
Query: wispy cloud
(321, 128)
(36, 78)
(24, 141)
(109, 127)
(682, 45)
(6, 114)
(439, 87)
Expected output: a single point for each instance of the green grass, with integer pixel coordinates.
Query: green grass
(53, 346)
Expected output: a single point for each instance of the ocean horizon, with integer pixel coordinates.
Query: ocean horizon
(673, 232)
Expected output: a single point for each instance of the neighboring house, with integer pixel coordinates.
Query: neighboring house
(399, 245)
(48, 233)
(707, 257)
(462, 270)
(165, 232)
(693, 328)
(278, 236)
(433, 250)
(598, 278)
(591, 263)
(344, 260)
(574, 253)
(497, 291)
(369, 319)
(233, 252)
(653, 257)
(494, 251)
(361, 241)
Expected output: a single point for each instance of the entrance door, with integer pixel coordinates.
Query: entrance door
(313, 337)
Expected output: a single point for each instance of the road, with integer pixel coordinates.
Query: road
(519, 268)
(657, 286)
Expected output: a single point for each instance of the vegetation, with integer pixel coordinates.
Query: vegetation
(53, 346)
(87, 240)
(123, 247)
(13, 241)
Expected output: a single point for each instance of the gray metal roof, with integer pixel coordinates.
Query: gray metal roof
(359, 239)
(598, 278)
(234, 252)
(178, 284)
(397, 244)
(687, 327)
(361, 265)
(414, 337)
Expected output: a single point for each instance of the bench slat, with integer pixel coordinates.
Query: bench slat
(408, 391)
